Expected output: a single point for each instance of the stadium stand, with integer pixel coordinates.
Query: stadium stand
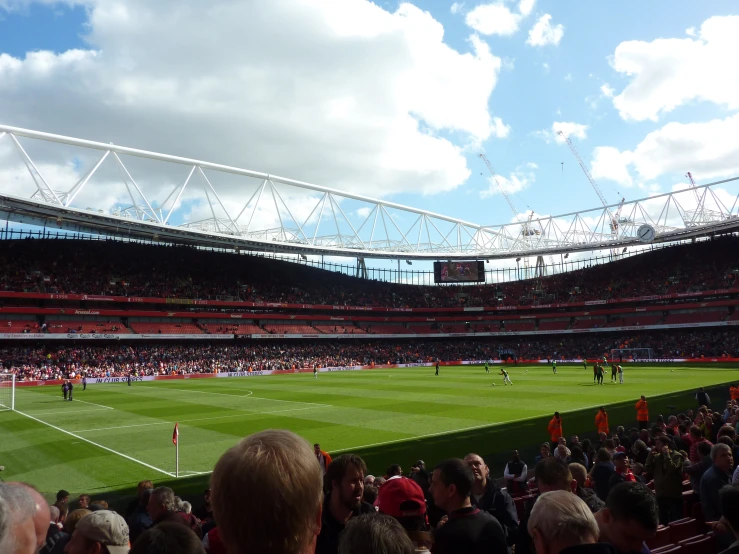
(232, 328)
(87, 327)
(696, 316)
(289, 328)
(589, 322)
(554, 324)
(144, 327)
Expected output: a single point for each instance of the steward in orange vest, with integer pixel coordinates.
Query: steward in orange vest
(555, 428)
(601, 421)
(734, 392)
(642, 413)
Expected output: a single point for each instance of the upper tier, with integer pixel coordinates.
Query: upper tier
(126, 269)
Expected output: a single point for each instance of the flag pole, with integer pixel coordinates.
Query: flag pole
(177, 460)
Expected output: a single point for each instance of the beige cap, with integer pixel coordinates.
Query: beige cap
(107, 528)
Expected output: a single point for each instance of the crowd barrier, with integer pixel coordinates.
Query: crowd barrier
(259, 373)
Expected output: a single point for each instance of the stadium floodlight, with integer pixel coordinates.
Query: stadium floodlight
(7, 391)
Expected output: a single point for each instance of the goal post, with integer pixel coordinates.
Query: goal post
(7, 391)
(630, 354)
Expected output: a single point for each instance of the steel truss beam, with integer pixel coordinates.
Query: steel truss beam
(338, 223)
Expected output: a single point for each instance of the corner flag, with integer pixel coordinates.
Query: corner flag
(175, 433)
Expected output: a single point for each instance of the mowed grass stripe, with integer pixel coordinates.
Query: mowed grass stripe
(366, 408)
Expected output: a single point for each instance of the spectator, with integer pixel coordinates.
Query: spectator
(62, 499)
(578, 456)
(601, 473)
(562, 453)
(54, 534)
(17, 511)
(696, 437)
(544, 452)
(266, 495)
(419, 475)
(140, 488)
(640, 452)
(163, 507)
(579, 473)
(696, 471)
(394, 471)
(561, 523)
(370, 494)
(70, 523)
(629, 518)
(729, 499)
(404, 500)
(140, 520)
(718, 475)
(490, 498)
(168, 538)
(99, 532)
(467, 530)
(212, 542)
(324, 459)
(516, 474)
(601, 421)
(345, 477)
(665, 465)
(369, 481)
(83, 501)
(205, 512)
(623, 473)
(702, 398)
(375, 534)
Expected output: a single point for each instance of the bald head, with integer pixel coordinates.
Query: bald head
(17, 508)
(41, 513)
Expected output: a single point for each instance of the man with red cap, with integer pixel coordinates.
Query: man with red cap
(403, 499)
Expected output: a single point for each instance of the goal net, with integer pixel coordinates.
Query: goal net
(7, 391)
(619, 355)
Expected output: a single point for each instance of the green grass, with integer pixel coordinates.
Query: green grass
(113, 435)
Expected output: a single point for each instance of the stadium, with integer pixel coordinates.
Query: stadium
(171, 325)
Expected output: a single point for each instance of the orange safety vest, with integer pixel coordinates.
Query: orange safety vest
(555, 429)
(601, 422)
(642, 413)
(734, 393)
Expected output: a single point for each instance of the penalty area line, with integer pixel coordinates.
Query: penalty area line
(238, 396)
(127, 457)
(93, 404)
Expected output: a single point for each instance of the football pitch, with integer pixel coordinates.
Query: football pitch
(112, 435)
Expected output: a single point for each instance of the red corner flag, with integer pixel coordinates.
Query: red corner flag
(175, 433)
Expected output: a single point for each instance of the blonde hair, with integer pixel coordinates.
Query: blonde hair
(563, 516)
(579, 473)
(267, 493)
(74, 516)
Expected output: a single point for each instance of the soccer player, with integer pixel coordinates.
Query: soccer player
(605, 361)
(620, 374)
(487, 369)
(437, 367)
(70, 388)
(64, 389)
(584, 363)
(595, 372)
(506, 379)
(315, 371)
(554, 366)
(613, 373)
(84, 382)
(128, 378)
(599, 374)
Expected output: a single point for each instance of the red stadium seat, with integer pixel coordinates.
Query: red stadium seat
(683, 529)
(662, 538)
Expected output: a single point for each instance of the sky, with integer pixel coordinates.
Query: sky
(387, 99)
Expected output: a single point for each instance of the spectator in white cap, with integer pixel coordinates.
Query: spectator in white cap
(101, 532)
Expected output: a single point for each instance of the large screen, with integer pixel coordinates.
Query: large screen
(459, 272)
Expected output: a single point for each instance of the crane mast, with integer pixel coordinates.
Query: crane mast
(500, 187)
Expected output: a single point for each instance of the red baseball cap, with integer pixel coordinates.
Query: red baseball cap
(401, 498)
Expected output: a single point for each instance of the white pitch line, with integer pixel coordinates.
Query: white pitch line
(127, 457)
(71, 412)
(237, 396)
(247, 414)
(100, 405)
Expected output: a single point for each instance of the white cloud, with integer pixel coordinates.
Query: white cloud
(606, 90)
(363, 212)
(346, 94)
(611, 164)
(500, 129)
(512, 184)
(497, 19)
(570, 128)
(545, 65)
(526, 7)
(690, 31)
(669, 72)
(708, 149)
(456, 7)
(532, 165)
(544, 34)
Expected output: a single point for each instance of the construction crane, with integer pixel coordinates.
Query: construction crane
(527, 230)
(692, 186)
(613, 217)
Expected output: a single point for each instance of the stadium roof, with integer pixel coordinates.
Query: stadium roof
(228, 207)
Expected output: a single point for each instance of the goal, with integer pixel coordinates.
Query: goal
(629, 354)
(7, 391)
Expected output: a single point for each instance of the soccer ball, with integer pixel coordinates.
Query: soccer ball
(672, 370)
(493, 384)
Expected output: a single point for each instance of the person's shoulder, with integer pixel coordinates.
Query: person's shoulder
(367, 508)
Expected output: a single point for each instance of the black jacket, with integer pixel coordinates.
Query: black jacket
(328, 540)
(499, 504)
(470, 531)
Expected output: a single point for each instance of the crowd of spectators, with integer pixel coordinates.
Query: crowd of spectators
(623, 493)
(126, 269)
(49, 361)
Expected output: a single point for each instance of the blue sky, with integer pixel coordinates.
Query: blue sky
(562, 80)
